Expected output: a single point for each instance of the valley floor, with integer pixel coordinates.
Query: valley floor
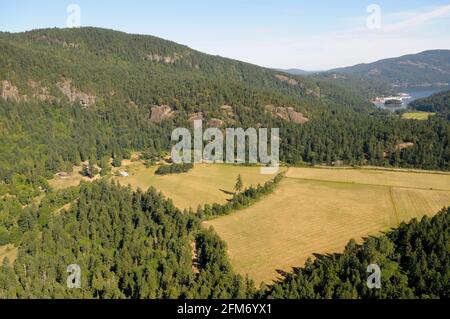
(204, 184)
(320, 210)
(313, 210)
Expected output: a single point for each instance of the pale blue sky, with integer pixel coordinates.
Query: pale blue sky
(312, 35)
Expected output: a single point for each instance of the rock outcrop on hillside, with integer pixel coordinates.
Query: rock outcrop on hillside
(85, 99)
(288, 114)
(168, 59)
(286, 79)
(298, 83)
(217, 123)
(42, 93)
(55, 41)
(208, 122)
(9, 92)
(227, 110)
(160, 113)
(195, 117)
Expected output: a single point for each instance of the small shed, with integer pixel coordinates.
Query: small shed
(124, 174)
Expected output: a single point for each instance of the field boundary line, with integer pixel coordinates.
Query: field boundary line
(391, 195)
(374, 168)
(367, 184)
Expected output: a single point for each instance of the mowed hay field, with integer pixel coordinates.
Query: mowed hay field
(205, 184)
(421, 116)
(320, 210)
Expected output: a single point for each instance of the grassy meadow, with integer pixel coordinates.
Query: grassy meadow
(313, 210)
(420, 116)
(205, 184)
(320, 210)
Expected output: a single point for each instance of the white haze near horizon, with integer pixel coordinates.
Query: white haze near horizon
(401, 33)
(285, 34)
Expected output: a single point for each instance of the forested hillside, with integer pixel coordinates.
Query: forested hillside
(422, 69)
(138, 245)
(437, 103)
(113, 66)
(128, 245)
(72, 95)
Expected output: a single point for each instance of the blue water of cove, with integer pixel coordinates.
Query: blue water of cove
(415, 93)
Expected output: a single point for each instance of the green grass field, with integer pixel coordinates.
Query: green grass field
(205, 184)
(320, 210)
(421, 116)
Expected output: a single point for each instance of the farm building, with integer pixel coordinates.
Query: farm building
(124, 174)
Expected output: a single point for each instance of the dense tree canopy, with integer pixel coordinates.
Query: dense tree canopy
(128, 245)
(138, 245)
(437, 103)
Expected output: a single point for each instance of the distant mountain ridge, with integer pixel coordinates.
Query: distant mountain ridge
(428, 68)
(297, 71)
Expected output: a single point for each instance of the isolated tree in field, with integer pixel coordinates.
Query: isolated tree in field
(239, 185)
(149, 163)
(89, 170)
(85, 170)
(93, 170)
(104, 164)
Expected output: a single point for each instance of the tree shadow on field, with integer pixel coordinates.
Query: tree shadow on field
(282, 276)
(227, 192)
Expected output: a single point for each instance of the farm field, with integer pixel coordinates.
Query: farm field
(205, 184)
(416, 179)
(421, 116)
(320, 210)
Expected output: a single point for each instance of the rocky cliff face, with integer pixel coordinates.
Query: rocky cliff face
(288, 114)
(9, 92)
(168, 59)
(159, 113)
(74, 95)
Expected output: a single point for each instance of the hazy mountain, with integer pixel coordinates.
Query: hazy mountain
(297, 71)
(428, 68)
(142, 69)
